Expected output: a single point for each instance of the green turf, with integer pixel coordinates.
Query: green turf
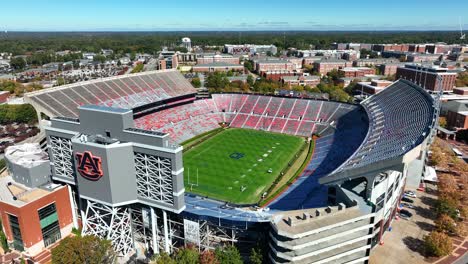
(221, 177)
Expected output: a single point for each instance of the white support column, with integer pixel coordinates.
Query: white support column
(73, 208)
(154, 232)
(166, 233)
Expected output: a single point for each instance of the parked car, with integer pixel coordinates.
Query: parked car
(405, 214)
(407, 205)
(407, 200)
(410, 194)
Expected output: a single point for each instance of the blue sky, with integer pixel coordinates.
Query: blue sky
(168, 15)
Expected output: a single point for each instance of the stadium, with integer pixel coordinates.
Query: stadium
(152, 167)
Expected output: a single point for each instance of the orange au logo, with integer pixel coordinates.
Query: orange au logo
(89, 166)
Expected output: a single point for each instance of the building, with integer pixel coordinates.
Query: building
(122, 172)
(217, 67)
(125, 167)
(250, 49)
(277, 75)
(168, 60)
(187, 43)
(273, 65)
(325, 66)
(373, 62)
(372, 87)
(215, 58)
(460, 90)
(427, 76)
(311, 80)
(457, 114)
(35, 213)
(389, 69)
(356, 71)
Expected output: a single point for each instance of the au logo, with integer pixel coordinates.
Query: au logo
(89, 166)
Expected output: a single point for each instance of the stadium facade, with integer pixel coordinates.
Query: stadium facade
(115, 144)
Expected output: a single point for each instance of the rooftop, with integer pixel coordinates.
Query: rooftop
(18, 195)
(27, 155)
(218, 64)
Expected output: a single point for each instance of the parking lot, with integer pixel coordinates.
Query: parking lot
(404, 243)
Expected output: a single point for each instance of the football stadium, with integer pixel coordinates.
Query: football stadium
(152, 167)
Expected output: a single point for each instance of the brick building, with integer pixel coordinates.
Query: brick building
(426, 76)
(456, 114)
(213, 58)
(388, 69)
(373, 87)
(277, 75)
(217, 67)
(311, 81)
(273, 65)
(34, 212)
(356, 71)
(327, 65)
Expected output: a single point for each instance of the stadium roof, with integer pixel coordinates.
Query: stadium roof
(126, 91)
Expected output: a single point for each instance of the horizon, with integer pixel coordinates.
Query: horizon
(209, 15)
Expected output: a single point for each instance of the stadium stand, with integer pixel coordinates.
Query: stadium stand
(396, 126)
(127, 91)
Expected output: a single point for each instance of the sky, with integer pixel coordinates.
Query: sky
(237, 15)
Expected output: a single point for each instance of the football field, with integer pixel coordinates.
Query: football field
(238, 165)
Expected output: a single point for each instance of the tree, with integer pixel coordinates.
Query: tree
(445, 223)
(250, 80)
(3, 238)
(208, 257)
(60, 81)
(256, 255)
(17, 113)
(437, 244)
(443, 122)
(163, 258)
(446, 206)
(196, 82)
(187, 255)
(248, 65)
(339, 95)
(18, 63)
(228, 255)
(85, 249)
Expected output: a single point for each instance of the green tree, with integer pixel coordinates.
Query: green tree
(187, 255)
(446, 206)
(256, 255)
(250, 80)
(17, 113)
(339, 95)
(86, 249)
(437, 244)
(138, 68)
(248, 65)
(163, 258)
(18, 63)
(228, 255)
(3, 238)
(196, 82)
(60, 81)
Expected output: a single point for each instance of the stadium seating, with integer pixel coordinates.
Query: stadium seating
(396, 126)
(127, 91)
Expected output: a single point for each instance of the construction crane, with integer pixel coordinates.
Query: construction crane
(462, 36)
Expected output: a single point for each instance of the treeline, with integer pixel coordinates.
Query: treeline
(150, 42)
(24, 113)
(17, 88)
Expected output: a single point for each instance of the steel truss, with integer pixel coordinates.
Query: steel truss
(154, 177)
(108, 222)
(61, 150)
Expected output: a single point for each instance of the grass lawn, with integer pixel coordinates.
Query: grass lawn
(238, 158)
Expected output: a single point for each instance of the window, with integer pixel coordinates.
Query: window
(49, 224)
(16, 231)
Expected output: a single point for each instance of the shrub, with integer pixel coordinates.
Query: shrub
(437, 244)
(445, 223)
